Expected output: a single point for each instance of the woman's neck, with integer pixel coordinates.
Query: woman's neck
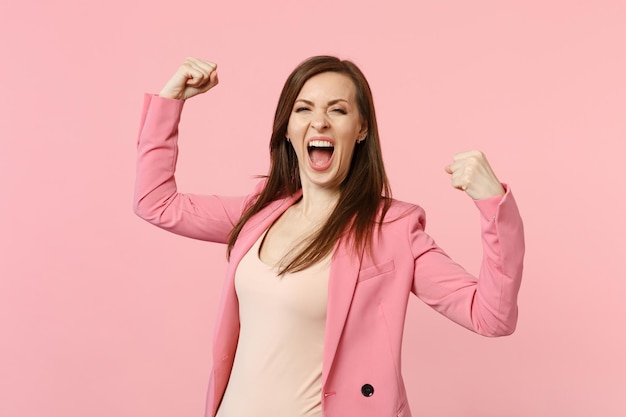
(316, 203)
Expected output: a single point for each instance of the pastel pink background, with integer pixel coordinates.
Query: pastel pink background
(104, 315)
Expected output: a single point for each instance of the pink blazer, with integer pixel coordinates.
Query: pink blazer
(368, 293)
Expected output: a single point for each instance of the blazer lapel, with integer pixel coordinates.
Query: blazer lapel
(344, 271)
(227, 329)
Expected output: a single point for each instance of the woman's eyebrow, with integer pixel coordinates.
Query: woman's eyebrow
(330, 103)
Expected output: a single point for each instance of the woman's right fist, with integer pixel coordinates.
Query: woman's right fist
(193, 77)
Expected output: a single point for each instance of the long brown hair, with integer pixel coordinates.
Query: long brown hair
(361, 193)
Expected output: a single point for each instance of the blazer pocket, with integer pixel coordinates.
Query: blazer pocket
(376, 270)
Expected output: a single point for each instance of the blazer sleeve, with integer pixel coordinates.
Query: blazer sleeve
(487, 305)
(156, 199)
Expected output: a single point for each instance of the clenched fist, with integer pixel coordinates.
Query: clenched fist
(192, 78)
(471, 173)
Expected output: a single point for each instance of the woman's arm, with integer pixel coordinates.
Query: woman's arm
(156, 197)
(487, 305)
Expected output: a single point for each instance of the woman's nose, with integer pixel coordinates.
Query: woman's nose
(319, 121)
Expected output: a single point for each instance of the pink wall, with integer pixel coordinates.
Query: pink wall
(103, 315)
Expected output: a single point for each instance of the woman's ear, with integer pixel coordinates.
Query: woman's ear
(362, 133)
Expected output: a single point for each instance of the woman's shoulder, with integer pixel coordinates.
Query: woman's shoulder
(399, 207)
(404, 211)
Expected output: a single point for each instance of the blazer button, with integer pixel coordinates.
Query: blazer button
(367, 390)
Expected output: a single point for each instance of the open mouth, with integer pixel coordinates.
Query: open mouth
(320, 152)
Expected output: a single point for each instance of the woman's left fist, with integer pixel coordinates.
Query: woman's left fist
(471, 173)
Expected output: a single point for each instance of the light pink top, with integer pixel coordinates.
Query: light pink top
(278, 363)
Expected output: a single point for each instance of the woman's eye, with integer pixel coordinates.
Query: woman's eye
(301, 109)
(340, 111)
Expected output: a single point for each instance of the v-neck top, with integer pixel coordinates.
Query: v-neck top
(277, 370)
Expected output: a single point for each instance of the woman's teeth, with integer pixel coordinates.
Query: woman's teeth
(321, 144)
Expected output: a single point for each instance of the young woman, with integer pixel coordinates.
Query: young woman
(321, 259)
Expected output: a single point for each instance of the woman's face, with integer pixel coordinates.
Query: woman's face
(324, 127)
